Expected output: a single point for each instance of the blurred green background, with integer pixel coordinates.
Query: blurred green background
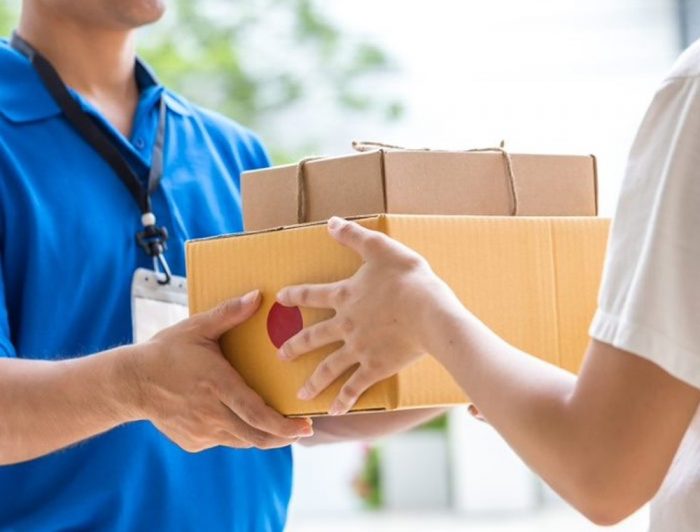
(259, 59)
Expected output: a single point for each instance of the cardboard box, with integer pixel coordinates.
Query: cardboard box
(532, 280)
(420, 182)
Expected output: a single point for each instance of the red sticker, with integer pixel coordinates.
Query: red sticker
(283, 323)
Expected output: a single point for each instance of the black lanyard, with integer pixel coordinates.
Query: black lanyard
(153, 238)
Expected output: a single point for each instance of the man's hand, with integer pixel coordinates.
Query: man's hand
(179, 380)
(190, 392)
(378, 314)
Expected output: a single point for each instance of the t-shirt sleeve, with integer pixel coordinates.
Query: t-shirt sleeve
(649, 303)
(6, 347)
(261, 157)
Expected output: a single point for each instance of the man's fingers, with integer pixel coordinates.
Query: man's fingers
(313, 337)
(252, 437)
(264, 418)
(351, 391)
(365, 242)
(332, 367)
(227, 315)
(234, 432)
(226, 439)
(310, 295)
(250, 408)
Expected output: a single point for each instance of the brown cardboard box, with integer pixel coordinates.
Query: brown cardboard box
(420, 182)
(532, 280)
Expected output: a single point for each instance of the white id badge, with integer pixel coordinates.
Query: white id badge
(155, 307)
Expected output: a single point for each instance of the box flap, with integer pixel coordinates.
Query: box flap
(579, 253)
(556, 185)
(227, 267)
(333, 186)
(269, 197)
(477, 183)
(501, 268)
(534, 281)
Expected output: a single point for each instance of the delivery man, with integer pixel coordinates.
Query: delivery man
(627, 430)
(104, 173)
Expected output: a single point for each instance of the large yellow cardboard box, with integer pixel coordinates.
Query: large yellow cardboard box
(532, 280)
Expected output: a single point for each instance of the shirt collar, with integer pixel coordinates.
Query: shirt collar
(23, 97)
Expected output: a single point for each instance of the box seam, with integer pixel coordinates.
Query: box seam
(191, 292)
(595, 184)
(393, 392)
(382, 171)
(555, 291)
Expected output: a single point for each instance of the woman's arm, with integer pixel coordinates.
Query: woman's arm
(604, 441)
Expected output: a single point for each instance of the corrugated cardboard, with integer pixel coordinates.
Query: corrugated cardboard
(532, 280)
(420, 182)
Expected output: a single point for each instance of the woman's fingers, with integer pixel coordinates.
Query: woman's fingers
(365, 242)
(475, 412)
(326, 373)
(351, 391)
(311, 338)
(309, 295)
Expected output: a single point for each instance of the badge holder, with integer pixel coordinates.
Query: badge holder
(158, 298)
(156, 306)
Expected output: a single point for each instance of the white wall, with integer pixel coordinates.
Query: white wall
(545, 75)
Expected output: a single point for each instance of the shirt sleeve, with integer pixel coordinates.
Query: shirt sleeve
(649, 303)
(6, 347)
(261, 156)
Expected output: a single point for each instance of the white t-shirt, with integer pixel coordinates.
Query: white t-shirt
(650, 297)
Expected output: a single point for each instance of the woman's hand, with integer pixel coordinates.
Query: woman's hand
(379, 313)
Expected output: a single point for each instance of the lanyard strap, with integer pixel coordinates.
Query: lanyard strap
(153, 238)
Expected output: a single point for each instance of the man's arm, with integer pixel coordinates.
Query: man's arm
(179, 381)
(49, 405)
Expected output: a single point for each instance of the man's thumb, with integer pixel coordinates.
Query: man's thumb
(228, 314)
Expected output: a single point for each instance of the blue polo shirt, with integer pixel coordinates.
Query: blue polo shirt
(67, 255)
